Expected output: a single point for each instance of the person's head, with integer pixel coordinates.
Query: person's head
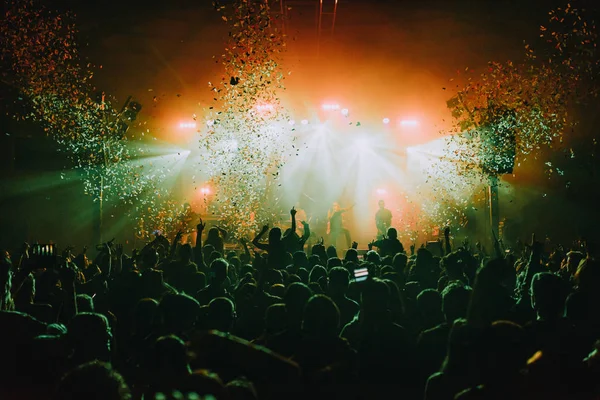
(336, 207)
(424, 258)
(241, 389)
(429, 303)
(221, 314)
(218, 271)
(313, 260)
(573, 260)
(333, 262)
(89, 336)
(392, 233)
(275, 318)
(295, 299)
(303, 274)
(94, 380)
(373, 257)
(186, 253)
(179, 313)
(548, 295)
(207, 250)
(490, 298)
(412, 290)
(339, 279)
(381, 204)
(351, 256)
(145, 315)
(277, 289)
(317, 273)
(85, 303)
(274, 235)
(299, 259)
(455, 301)
(331, 252)
(149, 259)
(321, 317)
(453, 265)
(213, 234)
(375, 297)
(169, 358)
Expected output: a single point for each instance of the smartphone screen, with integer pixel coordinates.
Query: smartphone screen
(361, 274)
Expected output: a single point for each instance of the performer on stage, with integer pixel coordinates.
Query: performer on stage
(336, 224)
(383, 220)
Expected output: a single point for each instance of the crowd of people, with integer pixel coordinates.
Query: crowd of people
(275, 319)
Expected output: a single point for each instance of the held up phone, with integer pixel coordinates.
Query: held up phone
(361, 274)
(44, 255)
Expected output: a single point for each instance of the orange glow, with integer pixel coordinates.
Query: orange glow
(409, 123)
(330, 107)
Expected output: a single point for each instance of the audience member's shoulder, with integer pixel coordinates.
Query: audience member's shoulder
(474, 393)
(21, 323)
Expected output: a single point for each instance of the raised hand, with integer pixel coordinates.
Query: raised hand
(201, 225)
(119, 250)
(178, 236)
(265, 228)
(447, 231)
(293, 211)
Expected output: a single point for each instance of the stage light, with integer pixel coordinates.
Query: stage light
(330, 107)
(345, 112)
(362, 143)
(381, 192)
(205, 190)
(304, 122)
(187, 125)
(386, 121)
(409, 123)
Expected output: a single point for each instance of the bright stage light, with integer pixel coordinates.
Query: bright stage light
(381, 192)
(386, 121)
(187, 125)
(362, 143)
(345, 112)
(304, 122)
(409, 123)
(330, 107)
(205, 190)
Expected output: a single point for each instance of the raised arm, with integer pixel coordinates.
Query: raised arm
(256, 240)
(174, 244)
(198, 256)
(245, 247)
(293, 214)
(448, 249)
(306, 233)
